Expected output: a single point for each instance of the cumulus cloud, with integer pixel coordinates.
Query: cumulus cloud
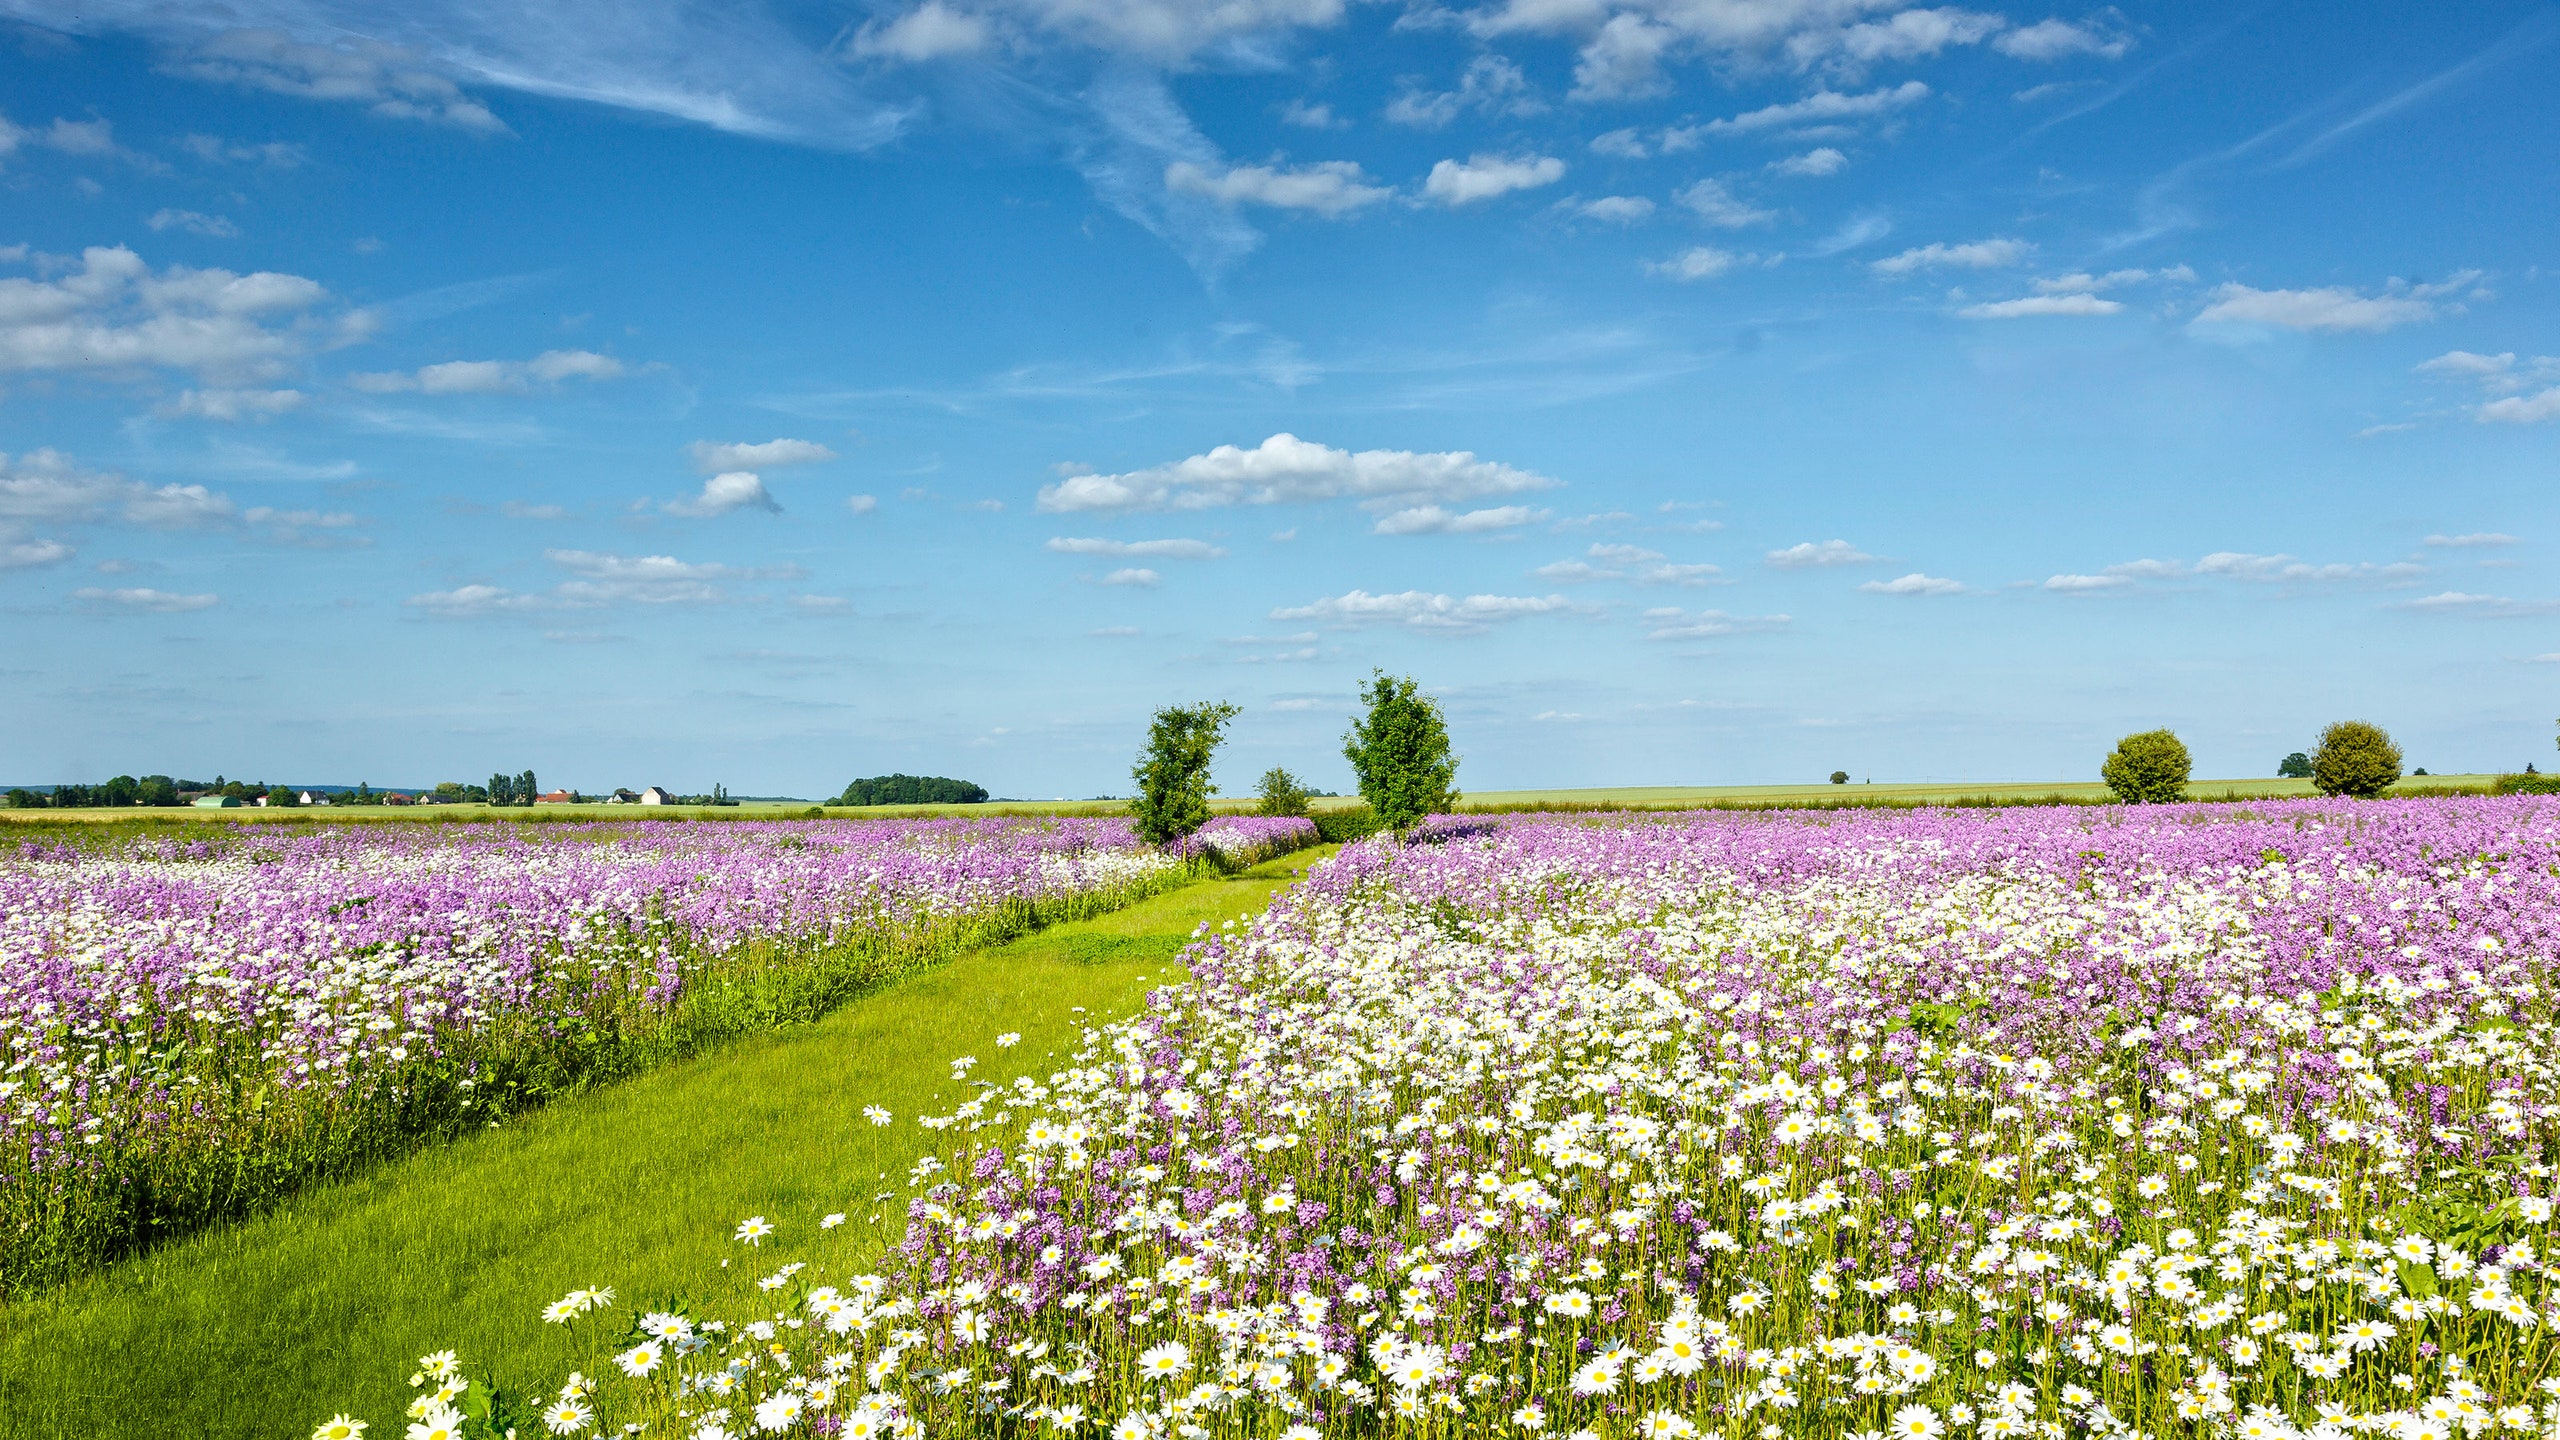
(1482, 177)
(2524, 393)
(228, 405)
(1630, 563)
(1906, 35)
(29, 554)
(145, 601)
(47, 486)
(1286, 469)
(214, 150)
(1491, 85)
(1670, 623)
(2060, 40)
(1812, 555)
(2275, 569)
(388, 80)
(1817, 163)
(2333, 308)
(1133, 575)
(1823, 107)
(1914, 583)
(2082, 282)
(1698, 262)
(1312, 116)
(2033, 305)
(493, 377)
(194, 222)
(862, 504)
(1718, 206)
(722, 493)
(931, 31)
(1423, 611)
(711, 457)
(1436, 520)
(1614, 209)
(1330, 188)
(1973, 255)
(112, 312)
(1137, 549)
(2083, 584)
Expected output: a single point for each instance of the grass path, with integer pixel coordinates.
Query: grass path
(264, 1328)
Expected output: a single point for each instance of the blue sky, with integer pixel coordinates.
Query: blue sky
(1686, 391)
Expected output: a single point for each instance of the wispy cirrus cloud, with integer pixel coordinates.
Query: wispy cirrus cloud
(1813, 555)
(1425, 611)
(1287, 470)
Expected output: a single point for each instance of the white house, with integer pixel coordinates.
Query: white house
(313, 797)
(655, 796)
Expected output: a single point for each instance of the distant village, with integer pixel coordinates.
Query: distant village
(221, 794)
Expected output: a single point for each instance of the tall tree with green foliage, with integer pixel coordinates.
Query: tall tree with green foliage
(2296, 766)
(2355, 758)
(1173, 771)
(527, 788)
(1400, 751)
(2149, 767)
(1282, 794)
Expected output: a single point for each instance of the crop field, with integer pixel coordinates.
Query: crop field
(192, 1026)
(2209, 1120)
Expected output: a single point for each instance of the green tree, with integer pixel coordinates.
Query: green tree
(1839, 777)
(2147, 768)
(2355, 759)
(159, 790)
(527, 788)
(1282, 793)
(2296, 766)
(1400, 751)
(1173, 771)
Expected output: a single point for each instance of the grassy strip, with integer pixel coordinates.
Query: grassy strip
(68, 1223)
(260, 1329)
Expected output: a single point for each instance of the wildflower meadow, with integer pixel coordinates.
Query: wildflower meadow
(192, 1027)
(2169, 1120)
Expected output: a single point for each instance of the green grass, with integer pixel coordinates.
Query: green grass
(266, 1327)
(1666, 797)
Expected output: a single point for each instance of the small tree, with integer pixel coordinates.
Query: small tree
(2147, 768)
(2296, 766)
(1400, 751)
(1173, 771)
(1839, 777)
(1282, 793)
(2355, 759)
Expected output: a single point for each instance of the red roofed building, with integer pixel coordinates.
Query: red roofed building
(556, 797)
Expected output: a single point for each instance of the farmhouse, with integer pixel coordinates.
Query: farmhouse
(623, 797)
(656, 796)
(314, 797)
(396, 798)
(556, 797)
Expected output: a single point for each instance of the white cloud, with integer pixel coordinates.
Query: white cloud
(1698, 262)
(28, 554)
(862, 504)
(2464, 362)
(2500, 375)
(2032, 305)
(1482, 177)
(156, 602)
(1624, 60)
(493, 377)
(2479, 541)
(712, 457)
(1631, 563)
(1491, 85)
(1424, 611)
(1285, 469)
(1615, 209)
(2060, 39)
(2148, 570)
(601, 580)
(214, 150)
(1820, 162)
(722, 493)
(1675, 624)
(48, 486)
(1810, 555)
(2494, 607)
(1620, 145)
(465, 602)
(928, 32)
(2332, 308)
(229, 405)
(520, 510)
(1312, 116)
(194, 222)
(390, 81)
(1718, 207)
(2285, 569)
(1823, 107)
(1914, 583)
(1434, 520)
(1329, 188)
(1973, 255)
(1907, 35)
(1133, 575)
(1137, 549)
(113, 312)
(2523, 409)
(2082, 584)
(2082, 282)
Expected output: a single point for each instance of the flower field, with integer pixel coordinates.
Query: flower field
(189, 1029)
(2230, 1121)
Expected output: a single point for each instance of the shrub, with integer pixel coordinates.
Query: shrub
(1282, 793)
(1341, 827)
(2147, 768)
(1400, 751)
(2355, 759)
(1173, 771)
(1839, 777)
(2528, 784)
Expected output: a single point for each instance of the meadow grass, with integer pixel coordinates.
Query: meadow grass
(264, 1327)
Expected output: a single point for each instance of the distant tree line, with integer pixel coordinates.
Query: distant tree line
(912, 790)
(148, 790)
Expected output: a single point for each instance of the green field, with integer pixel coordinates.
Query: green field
(264, 1328)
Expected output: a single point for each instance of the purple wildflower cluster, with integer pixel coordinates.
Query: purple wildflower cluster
(173, 1015)
(2232, 1121)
